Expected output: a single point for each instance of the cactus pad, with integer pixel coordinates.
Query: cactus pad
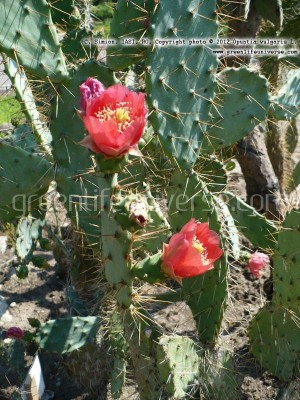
(274, 332)
(259, 230)
(67, 334)
(286, 105)
(180, 79)
(22, 174)
(242, 103)
(29, 37)
(130, 21)
(178, 364)
(28, 231)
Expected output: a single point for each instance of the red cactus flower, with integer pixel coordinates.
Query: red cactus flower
(257, 262)
(192, 251)
(14, 333)
(114, 118)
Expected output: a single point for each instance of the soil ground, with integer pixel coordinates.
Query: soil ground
(42, 296)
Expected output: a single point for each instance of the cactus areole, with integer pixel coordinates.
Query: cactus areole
(192, 251)
(114, 118)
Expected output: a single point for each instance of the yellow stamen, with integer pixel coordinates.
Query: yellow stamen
(122, 115)
(198, 246)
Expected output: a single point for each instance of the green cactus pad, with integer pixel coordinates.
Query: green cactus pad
(64, 335)
(23, 137)
(217, 378)
(274, 332)
(241, 103)
(142, 337)
(149, 269)
(178, 365)
(116, 244)
(274, 336)
(296, 175)
(212, 172)
(180, 79)
(23, 176)
(119, 349)
(61, 11)
(286, 105)
(79, 44)
(206, 296)
(271, 11)
(187, 198)
(29, 37)
(28, 231)
(130, 21)
(286, 272)
(260, 231)
(129, 24)
(229, 230)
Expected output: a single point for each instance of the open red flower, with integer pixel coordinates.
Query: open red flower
(14, 333)
(257, 262)
(192, 251)
(114, 118)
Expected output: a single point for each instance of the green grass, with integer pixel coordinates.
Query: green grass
(103, 11)
(10, 111)
(102, 14)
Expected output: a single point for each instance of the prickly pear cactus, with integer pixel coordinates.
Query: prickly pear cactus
(178, 365)
(24, 177)
(30, 38)
(28, 231)
(129, 26)
(67, 334)
(285, 105)
(217, 378)
(274, 331)
(241, 94)
(180, 80)
(194, 111)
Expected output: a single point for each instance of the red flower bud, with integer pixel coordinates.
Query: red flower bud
(114, 118)
(192, 251)
(256, 262)
(14, 333)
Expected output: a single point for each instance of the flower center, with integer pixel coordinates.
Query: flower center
(202, 250)
(120, 114)
(198, 245)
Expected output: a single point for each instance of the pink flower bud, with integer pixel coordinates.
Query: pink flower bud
(14, 333)
(257, 261)
(89, 90)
